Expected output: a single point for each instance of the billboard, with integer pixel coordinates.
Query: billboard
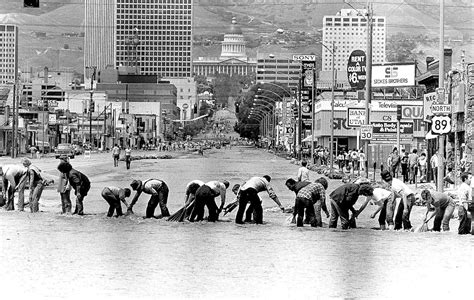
(356, 70)
(393, 75)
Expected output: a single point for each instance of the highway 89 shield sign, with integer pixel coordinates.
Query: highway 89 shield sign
(366, 132)
(441, 124)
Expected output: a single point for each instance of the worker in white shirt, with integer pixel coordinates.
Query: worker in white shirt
(385, 201)
(159, 195)
(205, 197)
(402, 216)
(249, 193)
(14, 178)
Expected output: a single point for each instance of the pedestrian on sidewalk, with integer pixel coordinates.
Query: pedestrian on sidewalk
(343, 199)
(309, 201)
(158, 190)
(128, 156)
(249, 193)
(79, 182)
(116, 154)
(404, 164)
(64, 190)
(401, 190)
(442, 206)
(205, 195)
(393, 162)
(14, 178)
(423, 165)
(465, 204)
(114, 196)
(303, 172)
(413, 165)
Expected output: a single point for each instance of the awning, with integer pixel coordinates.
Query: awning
(430, 135)
(307, 139)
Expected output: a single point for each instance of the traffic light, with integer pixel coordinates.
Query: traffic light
(399, 112)
(31, 3)
(91, 106)
(237, 108)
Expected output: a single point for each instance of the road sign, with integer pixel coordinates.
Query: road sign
(366, 132)
(304, 57)
(441, 124)
(355, 116)
(185, 106)
(65, 129)
(441, 109)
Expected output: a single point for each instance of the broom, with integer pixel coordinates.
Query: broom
(230, 207)
(181, 213)
(424, 227)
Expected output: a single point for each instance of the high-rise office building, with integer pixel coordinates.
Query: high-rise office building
(151, 37)
(278, 67)
(8, 53)
(155, 36)
(348, 31)
(99, 39)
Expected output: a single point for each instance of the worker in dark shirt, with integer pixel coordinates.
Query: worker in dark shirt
(310, 199)
(159, 195)
(114, 195)
(249, 193)
(442, 207)
(205, 197)
(343, 199)
(79, 182)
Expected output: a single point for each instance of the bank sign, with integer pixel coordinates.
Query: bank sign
(393, 75)
(355, 116)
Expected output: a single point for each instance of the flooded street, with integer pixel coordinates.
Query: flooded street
(48, 255)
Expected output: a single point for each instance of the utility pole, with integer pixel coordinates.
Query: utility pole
(439, 182)
(368, 82)
(333, 83)
(90, 118)
(14, 123)
(300, 85)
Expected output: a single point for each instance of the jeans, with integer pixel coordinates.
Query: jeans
(304, 206)
(405, 172)
(204, 197)
(249, 195)
(36, 189)
(128, 159)
(413, 173)
(161, 199)
(387, 212)
(66, 201)
(339, 211)
(116, 160)
(402, 218)
(114, 203)
(443, 216)
(79, 205)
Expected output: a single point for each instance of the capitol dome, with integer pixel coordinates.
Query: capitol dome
(233, 45)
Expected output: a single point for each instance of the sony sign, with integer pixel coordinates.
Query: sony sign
(299, 57)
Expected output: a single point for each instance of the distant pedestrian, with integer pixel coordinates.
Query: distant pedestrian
(128, 156)
(423, 165)
(249, 193)
(159, 195)
(362, 159)
(465, 205)
(343, 199)
(435, 161)
(114, 196)
(205, 195)
(404, 165)
(116, 154)
(443, 206)
(413, 165)
(401, 190)
(79, 182)
(355, 159)
(303, 172)
(393, 162)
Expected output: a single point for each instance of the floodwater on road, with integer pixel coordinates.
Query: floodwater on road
(49, 255)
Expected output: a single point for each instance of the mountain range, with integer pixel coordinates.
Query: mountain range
(50, 35)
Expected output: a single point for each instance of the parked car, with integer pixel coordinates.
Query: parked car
(39, 146)
(64, 150)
